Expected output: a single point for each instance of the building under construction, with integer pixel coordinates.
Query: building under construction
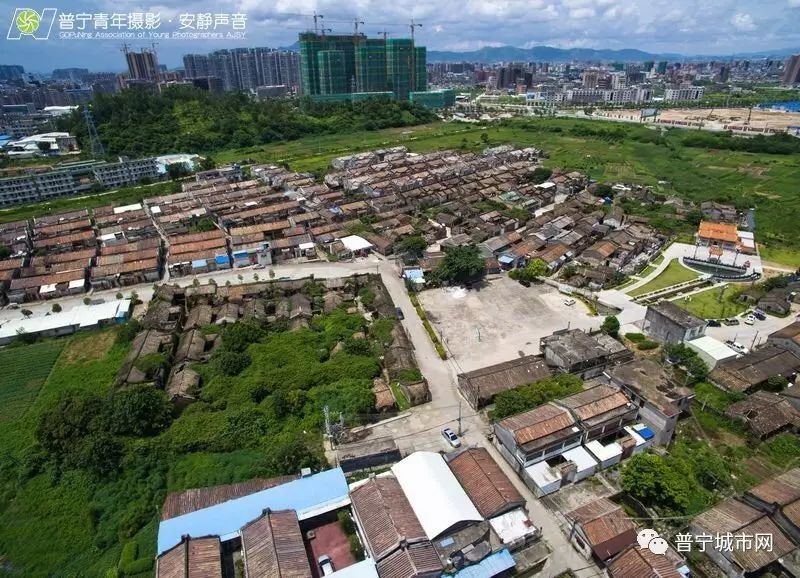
(344, 67)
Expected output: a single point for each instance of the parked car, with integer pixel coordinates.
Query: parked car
(569, 302)
(260, 266)
(524, 282)
(759, 314)
(738, 347)
(731, 321)
(325, 565)
(714, 323)
(451, 437)
(399, 313)
(750, 319)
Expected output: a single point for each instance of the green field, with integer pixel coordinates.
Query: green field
(674, 273)
(707, 304)
(25, 370)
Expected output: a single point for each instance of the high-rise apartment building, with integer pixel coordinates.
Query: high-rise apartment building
(346, 64)
(142, 65)
(245, 68)
(791, 70)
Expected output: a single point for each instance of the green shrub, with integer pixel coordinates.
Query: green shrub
(129, 553)
(646, 345)
(137, 567)
(409, 376)
(346, 522)
(635, 337)
(355, 547)
(149, 364)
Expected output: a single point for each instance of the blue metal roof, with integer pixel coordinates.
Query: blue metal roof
(414, 274)
(319, 492)
(198, 263)
(222, 260)
(489, 566)
(505, 259)
(646, 433)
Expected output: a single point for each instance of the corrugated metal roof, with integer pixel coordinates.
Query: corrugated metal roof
(437, 498)
(595, 401)
(485, 483)
(752, 558)
(317, 493)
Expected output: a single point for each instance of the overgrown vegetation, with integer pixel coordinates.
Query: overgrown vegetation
(85, 469)
(527, 397)
(137, 122)
(437, 344)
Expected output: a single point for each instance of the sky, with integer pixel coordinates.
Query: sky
(690, 27)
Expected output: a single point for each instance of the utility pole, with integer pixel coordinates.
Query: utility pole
(753, 344)
(95, 144)
(326, 414)
(459, 416)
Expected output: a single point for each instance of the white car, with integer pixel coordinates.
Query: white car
(569, 302)
(750, 319)
(325, 565)
(451, 437)
(738, 347)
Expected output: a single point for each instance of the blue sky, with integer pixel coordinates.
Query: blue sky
(679, 26)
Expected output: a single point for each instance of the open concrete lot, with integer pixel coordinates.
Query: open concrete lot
(501, 320)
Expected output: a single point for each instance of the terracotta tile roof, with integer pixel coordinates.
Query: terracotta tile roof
(728, 516)
(537, 423)
(485, 482)
(196, 246)
(195, 237)
(751, 558)
(718, 232)
(179, 503)
(606, 527)
(780, 490)
(765, 413)
(272, 547)
(385, 515)
(595, 401)
(488, 381)
(192, 558)
(638, 562)
(754, 368)
(411, 562)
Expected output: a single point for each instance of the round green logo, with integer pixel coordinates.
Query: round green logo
(28, 21)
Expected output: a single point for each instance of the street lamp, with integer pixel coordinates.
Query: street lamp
(736, 256)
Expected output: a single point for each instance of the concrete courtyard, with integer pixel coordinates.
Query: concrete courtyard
(501, 320)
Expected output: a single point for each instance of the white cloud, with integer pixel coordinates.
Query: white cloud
(743, 22)
(794, 3)
(581, 13)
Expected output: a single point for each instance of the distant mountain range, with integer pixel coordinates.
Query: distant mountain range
(492, 54)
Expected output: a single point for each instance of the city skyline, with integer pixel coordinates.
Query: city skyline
(657, 27)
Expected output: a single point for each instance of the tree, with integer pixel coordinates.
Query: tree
(232, 362)
(207, 163)
(648, 478)
(176, 171)
(196, 282)
(87, 301)
(56, 308)
(228, 283)
(119, 295)
(414, 245)
(26, 313)
(462, 265)
(694, 217)
(44, 146)
(776, 383)
(5, 252)
(238, 336)
(610, 326)
(271, 273)
(240, 277)
(484, 137)
(540, 175)
(255, 276)
(141, 410)
(535, 269)
(603, 191)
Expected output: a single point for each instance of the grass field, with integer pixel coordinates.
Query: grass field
(767, 182)
(707, 304)
(25, 370)
(674, 273)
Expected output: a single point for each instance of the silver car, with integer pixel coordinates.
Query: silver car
(451, 437)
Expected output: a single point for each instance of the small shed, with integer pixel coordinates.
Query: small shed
(542, 479)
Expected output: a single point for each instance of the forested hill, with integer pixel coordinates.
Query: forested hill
(136, 122)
